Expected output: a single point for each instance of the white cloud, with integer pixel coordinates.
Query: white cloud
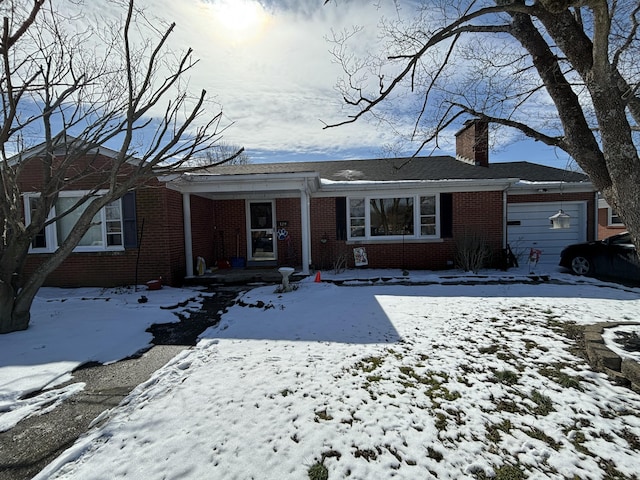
(272, 71)
(269, 65)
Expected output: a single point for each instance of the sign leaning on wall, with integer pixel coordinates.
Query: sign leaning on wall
(360, 257)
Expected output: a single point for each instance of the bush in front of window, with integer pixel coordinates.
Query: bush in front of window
(472, 251)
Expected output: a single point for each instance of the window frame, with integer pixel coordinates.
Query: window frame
(417, 218)
(610, 216)
(51, 230)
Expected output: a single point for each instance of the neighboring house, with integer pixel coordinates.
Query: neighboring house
(609, 223)
(405, 213)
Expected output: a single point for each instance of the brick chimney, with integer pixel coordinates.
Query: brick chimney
(472, 143)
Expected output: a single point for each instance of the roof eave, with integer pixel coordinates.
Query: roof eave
(528, 188)
(444, 185)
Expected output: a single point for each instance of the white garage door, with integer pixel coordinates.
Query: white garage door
(528, 226)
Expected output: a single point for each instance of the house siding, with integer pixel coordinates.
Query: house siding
(588, 197)
(229, 229)
(290, 249)
(160, 252)
(472, 212)
(604, 229)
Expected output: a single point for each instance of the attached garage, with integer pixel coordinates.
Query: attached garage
(528, 226)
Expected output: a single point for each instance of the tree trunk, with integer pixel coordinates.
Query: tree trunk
(13, 314)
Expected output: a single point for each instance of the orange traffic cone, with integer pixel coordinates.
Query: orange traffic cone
(317, 280)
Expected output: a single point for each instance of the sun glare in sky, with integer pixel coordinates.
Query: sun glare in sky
(239, 21)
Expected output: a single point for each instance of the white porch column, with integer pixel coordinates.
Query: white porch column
(188, 248)
(306, 230)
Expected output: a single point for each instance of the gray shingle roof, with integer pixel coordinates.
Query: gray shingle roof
(419, 168)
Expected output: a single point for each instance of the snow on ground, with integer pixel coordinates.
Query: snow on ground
(386, 380)
(70, 327)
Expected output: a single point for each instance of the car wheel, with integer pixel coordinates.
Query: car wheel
(581, 265)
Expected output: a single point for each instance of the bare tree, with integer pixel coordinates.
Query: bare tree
(222, 153)
(562, 72)
(71, 85)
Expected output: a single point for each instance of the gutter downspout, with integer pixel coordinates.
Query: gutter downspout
(594, 227)
(505, 220)
(306, 228)
(188, 248)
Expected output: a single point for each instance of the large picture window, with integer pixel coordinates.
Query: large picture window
(393, 217)
(105, 232)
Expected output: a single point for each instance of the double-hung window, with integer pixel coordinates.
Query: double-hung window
(105, 232)
(390, 217)
(613, 219)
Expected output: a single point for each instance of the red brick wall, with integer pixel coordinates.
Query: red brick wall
(588, 197)
(290, 250)
(604, 230)
(229, 229)
(202, 229)
(161, 252)
(472, 212)
(472, 142)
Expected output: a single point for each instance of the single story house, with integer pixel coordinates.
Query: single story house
(403, 212)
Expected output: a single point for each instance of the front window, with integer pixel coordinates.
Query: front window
(105, 232)
(393, 217)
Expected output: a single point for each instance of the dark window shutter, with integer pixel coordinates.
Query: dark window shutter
(129, 223)
(341, 218)
(446, 215)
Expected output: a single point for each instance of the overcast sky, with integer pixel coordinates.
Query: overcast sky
(268, 64)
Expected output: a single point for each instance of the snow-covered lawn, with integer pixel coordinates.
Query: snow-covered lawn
(380, 381)
(70, 327)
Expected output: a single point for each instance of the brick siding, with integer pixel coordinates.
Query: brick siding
(160, 253)
(472, 212)
(604, 229)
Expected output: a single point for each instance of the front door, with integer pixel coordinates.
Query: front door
(262, 241)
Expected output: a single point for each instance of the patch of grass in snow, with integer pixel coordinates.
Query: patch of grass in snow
(318, 471)
(504, 472)
(510, 472)
(509, 406)
(538, 434)
(434, 381)
(506, 377)
(434, 454)
(491, 349)
(285, 392)
(367, 453)
(569, 329)
(612, 473)
(440, 421)
(397, 355)
(322, 415)
(544, 404)
(494, 431)
(631, 438)
(368, 364)
(577, 438)
(565, 380)
(531, 344)
(505, 356)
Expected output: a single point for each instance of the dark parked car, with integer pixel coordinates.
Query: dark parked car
(614, 257)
